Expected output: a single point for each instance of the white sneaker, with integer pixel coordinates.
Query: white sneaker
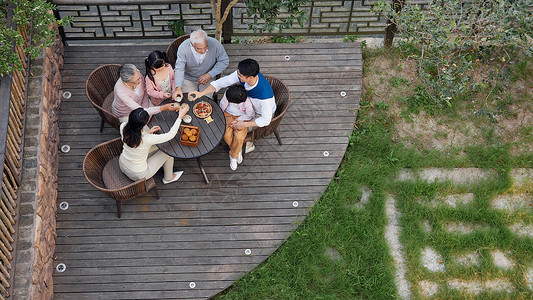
(239, 159)
(177, 176)
(249, 147)
(233, 163)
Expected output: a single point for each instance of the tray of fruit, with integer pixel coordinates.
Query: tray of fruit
(189, 135)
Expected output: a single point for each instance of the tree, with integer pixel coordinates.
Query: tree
(266, 10)
(391, 26)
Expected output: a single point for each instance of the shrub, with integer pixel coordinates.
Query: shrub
(450, 39)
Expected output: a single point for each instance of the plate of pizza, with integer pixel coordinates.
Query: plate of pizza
(202, 109)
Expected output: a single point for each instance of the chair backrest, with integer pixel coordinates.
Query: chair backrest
(98, 87)
(101, 82)
(172, 49)
(281, 94)
(283, 101)
(97, 171)
(96, 159)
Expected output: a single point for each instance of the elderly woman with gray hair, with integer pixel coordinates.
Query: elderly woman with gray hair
(130, 93)
(199, 59)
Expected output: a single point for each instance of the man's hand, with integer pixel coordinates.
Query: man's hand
(153, 129)
(177, 93)
(204, 79)
(238, 124)
(195, 95)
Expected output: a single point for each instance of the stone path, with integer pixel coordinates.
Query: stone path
(514, 202)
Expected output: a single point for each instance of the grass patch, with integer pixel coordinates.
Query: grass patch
(393, 106)
(300, 268)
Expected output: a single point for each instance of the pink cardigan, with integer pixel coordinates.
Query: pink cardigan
(126, 100)
(154, 90)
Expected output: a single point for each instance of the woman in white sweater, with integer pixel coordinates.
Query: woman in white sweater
(140, 157)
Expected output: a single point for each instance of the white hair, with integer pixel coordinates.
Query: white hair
(127, 72)
(198, 36)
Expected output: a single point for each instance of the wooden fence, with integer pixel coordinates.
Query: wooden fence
(134, 19)
(12, 101)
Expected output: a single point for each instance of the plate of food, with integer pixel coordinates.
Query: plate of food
(202, 109)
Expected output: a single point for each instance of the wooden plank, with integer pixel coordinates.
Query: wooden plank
(80, 270)
(96, 226)
(355, 47)
(262, 179)
(248, 236)
(188, 263)
(99, 200)
(176, 232)
(212, 213)
(136, 279)
(232, 52)
(131, 252)
(148, 294)
(185, 245)
(270, 152)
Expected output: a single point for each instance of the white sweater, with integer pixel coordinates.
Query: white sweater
(135, 159)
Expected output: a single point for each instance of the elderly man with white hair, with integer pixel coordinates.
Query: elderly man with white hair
(199, 59)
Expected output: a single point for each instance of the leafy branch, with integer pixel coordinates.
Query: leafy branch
(267, 12)
(34, 18)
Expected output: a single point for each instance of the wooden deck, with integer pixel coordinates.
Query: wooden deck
(197, 232)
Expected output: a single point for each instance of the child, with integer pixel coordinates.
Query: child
(236, 106)
(159, 77)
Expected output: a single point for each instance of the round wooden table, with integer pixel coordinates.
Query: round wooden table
(210, 133)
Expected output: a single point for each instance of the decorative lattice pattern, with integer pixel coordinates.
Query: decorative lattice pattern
(323, 18)
(151, 20)
(134, 21)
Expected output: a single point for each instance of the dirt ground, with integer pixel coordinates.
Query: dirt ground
(514, 124)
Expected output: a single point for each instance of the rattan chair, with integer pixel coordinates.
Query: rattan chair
(99, 89)
(101, 169)
(172, 49)
(283, 101)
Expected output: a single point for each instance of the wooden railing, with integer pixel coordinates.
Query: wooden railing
(12, 101)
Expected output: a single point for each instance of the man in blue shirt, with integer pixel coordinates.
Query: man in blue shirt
(259, 91)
